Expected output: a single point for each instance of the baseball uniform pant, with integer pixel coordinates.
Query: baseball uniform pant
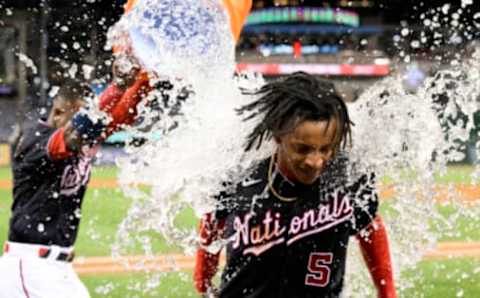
(24, 274)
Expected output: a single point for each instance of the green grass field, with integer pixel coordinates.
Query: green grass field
(104, 209)
(448, 278)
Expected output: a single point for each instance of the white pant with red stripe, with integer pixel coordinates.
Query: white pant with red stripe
(23, 274)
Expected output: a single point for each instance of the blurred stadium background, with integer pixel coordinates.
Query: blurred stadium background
(355, 43)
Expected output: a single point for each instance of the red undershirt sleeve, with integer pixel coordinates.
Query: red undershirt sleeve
(376, 252)
(56, 147)
(206, 263)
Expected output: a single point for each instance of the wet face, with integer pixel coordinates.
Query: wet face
(63, 111)
(305, 151)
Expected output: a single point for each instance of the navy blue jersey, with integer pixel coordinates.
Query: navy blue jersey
(296, 247)
(47, 192)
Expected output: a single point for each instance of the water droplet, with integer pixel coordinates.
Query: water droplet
(476, 19)
(105, 289)
(72, 70)
(78, 213)
(53, 91)
(446, 8)
(415, 44)
(87, 71)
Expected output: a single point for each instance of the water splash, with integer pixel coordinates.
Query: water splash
(28, 62)
(408, 137)
(185, 39)
(189, 51)
(187, 166)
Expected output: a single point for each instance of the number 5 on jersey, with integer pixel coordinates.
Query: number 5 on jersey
(319, 275)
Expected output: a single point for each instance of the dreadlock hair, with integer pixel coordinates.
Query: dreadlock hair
(283, 104)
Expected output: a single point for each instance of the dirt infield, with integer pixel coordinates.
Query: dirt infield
(175, 262)
(466, 192)
(94, 183)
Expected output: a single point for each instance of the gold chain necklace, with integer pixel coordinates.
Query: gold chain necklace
(270, 183)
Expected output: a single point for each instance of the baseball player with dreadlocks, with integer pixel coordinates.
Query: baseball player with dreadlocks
(287, 226)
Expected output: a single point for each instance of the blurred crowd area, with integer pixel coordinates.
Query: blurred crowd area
(354, 43)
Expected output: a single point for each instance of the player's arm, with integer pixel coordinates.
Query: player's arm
(206, 263)
(118, 102)
(376, 253)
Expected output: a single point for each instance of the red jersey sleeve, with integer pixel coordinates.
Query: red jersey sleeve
(206, 263)
(376, 252)
(56, 147)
